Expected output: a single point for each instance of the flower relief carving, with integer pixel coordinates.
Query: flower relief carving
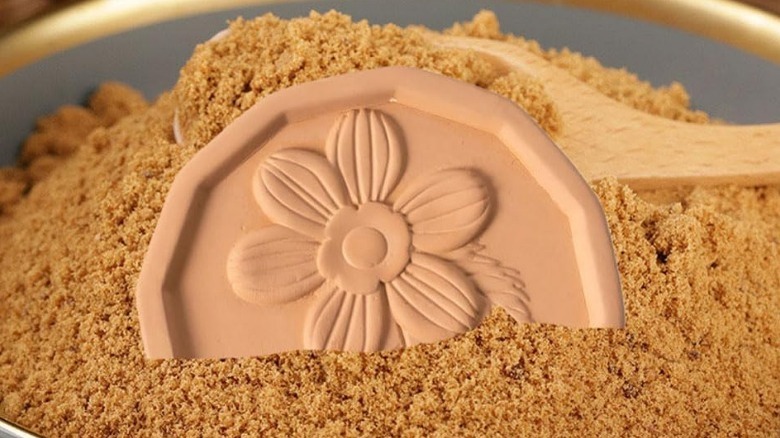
(409, 269)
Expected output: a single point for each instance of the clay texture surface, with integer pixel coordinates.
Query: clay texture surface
(373, 220)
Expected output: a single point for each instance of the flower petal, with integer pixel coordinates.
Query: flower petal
(348, 322)
(433, 300)
(446, 209)
(365, 145)
(273, 265)
(300, 190)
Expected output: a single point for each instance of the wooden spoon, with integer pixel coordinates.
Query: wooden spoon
(603, 137)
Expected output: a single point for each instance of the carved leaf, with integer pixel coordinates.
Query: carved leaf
(446, 209)
(506, 293)
(365, 146)
(502, 285)
(433, 300)
(273, 265)
(348, 322)
(300, 190)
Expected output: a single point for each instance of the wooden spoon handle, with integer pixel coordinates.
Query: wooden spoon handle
(603, 137)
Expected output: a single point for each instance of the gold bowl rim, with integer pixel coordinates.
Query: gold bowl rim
(727, 21)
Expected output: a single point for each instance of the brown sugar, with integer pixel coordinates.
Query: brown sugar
(58, 135)
(699, 354)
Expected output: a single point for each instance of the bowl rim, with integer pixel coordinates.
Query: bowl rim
(727, 21)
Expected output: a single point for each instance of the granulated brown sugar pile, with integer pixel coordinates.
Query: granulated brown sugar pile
(699, 355)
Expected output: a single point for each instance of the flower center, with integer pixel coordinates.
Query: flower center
(364, 247)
